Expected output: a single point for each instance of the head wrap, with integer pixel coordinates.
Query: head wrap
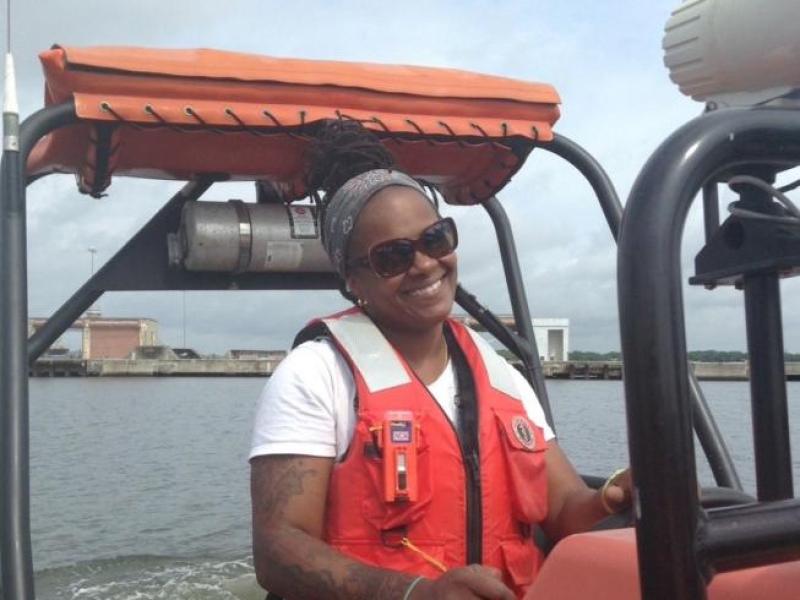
(347, 203)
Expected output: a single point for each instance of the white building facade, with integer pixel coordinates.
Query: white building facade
(552, 339)
(552, 336)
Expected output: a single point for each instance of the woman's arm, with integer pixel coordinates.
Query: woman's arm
(574, 506)
(288, 494)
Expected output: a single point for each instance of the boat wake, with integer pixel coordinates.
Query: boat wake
(151, 578)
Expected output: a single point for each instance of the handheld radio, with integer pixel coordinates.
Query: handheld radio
(398, 442)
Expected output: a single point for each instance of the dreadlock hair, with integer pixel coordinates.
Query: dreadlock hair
(341, 150)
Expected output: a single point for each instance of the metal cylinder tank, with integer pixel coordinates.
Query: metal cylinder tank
(239, 237)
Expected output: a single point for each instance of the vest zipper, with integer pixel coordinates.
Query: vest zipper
(470, 455)
(474, 509)
(469, 441)
(472, 472)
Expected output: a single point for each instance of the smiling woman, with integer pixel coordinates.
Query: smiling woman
(420, 296)
(391, 426)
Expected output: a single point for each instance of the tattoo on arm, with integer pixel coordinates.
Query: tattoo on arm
(276, 482)
(300, 565)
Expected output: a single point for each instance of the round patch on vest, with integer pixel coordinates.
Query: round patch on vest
(523, 432)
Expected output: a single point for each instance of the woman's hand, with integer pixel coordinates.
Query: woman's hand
(574, 506)
(473, 582)
(617, 494)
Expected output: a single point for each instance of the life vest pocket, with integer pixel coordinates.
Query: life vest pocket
(521, 561)
(524, 449)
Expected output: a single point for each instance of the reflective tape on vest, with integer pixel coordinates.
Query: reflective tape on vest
(500, 377)
(370, 352)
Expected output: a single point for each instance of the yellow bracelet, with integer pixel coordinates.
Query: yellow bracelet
(610, 481)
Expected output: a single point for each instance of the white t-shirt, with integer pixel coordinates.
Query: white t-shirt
(307, 406)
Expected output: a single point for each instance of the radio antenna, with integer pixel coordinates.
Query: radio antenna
(10, 105)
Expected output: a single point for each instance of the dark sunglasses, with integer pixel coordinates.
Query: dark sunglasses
(395, 257)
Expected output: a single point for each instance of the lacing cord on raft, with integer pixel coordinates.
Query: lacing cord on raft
(297, 131)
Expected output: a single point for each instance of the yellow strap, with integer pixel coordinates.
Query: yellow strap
(436, 563)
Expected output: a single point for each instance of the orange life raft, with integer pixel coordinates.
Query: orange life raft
(464, 132)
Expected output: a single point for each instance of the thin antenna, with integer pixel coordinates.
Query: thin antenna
(10, 106)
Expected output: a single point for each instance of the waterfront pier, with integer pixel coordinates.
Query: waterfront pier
(193, 367)
(263, 366)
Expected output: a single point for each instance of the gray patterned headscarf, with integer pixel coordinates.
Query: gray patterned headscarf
(347, 203)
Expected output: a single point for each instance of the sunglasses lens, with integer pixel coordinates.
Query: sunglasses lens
(395, 257)
(439, 239)
(392, 258)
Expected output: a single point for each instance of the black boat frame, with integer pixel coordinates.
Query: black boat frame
(124, 272)
(680, 545)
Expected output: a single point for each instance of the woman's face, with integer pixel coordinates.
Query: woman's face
(422, 297)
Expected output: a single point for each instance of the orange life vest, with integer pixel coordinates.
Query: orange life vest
(469, 509)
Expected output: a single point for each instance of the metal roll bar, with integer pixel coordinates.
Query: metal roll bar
(15, 549)
(678, 544)
(710, 438)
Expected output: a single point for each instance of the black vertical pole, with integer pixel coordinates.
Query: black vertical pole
(519, 300)
(710, 208)
(16, 547)
(762, 303)
(14, 508)
(15, 554)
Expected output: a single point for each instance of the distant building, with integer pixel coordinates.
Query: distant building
(552, 338)
(552, 335)
(109, 338)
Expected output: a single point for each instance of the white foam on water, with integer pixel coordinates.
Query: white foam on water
(151, 578)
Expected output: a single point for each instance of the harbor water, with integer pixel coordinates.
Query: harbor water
(140, 485)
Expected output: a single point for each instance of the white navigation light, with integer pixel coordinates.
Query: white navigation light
(734, 52)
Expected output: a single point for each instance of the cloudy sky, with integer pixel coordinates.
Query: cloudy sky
(604, 58)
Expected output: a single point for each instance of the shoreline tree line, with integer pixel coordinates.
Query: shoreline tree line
(694, 355)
